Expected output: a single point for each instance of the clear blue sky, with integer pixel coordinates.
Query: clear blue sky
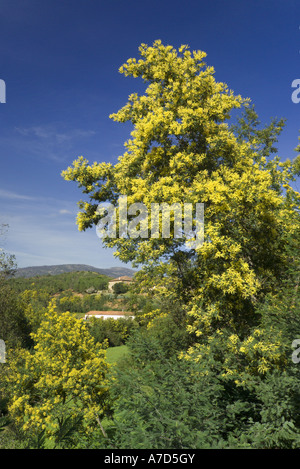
(60, 60)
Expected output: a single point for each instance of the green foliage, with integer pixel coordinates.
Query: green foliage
(52, 284)
(114, 354)
(120, 288)
(172, 337)
(279, 424)
(115, 331)
(14, 326)
(166, 403)
(83, 304)
(7, 265)
(161, 403)
(35, 305)
(76, 292)
(239, 392)
(262, 140)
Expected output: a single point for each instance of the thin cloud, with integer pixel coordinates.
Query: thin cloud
(15, 196)
(64, 211)
(52, 141)
(52, 132)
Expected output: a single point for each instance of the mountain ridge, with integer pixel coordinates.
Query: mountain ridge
(34, 271)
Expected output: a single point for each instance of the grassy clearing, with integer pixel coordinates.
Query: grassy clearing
(114, 354)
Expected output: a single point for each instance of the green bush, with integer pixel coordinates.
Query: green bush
(120, 288)
(116, 331)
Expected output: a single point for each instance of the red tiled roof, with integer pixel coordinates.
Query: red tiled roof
(106, 313)
(122, 279)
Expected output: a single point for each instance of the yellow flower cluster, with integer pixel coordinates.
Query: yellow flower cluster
(66, 374)
(252, 356)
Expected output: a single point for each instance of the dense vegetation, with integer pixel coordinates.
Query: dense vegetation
(76, 281)
(208, 360)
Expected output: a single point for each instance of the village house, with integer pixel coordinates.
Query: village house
(125, 279)
(109, 314)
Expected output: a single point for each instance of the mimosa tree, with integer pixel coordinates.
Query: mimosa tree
(184, 149)
(61, 386)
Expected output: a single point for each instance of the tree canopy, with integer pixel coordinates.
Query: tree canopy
(184, 148)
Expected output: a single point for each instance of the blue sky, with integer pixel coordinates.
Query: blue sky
(60, 60)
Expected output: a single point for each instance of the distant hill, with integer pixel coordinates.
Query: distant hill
(64, 268)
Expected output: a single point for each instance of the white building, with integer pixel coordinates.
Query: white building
(109, 314)
(127, 280)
